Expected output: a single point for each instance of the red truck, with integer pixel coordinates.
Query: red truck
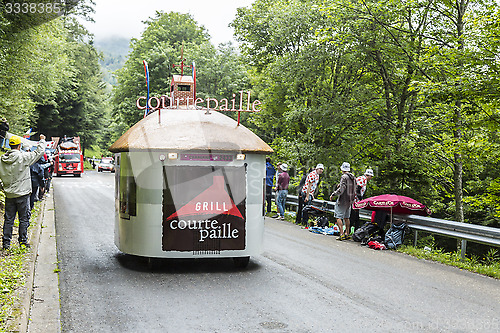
(69, 158)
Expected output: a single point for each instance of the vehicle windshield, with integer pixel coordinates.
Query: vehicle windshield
(69, 158)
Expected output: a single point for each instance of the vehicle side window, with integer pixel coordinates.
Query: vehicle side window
(128, 197)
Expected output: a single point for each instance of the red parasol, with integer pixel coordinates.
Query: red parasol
(396, 204)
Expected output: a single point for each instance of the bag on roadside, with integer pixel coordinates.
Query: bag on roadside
(395, 235)
(376, 238)
(366, 231)
(322, 222)
(376, 245)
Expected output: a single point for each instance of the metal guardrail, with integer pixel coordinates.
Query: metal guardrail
(328, 206)
(463, 231)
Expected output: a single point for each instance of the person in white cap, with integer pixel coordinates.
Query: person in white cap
(282, 189)
(345, 192)
(361, 183)
(308, 189)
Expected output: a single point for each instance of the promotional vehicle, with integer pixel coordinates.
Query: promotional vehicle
(190, 181)
(69, 158)
(106, 164)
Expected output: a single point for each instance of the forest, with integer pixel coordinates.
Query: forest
(407, 88)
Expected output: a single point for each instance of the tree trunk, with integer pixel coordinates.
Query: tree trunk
(457, 132)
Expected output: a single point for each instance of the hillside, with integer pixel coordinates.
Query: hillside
(115, 51)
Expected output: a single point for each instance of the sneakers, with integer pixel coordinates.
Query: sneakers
(281, 218)
(26, 245)
(344, 237)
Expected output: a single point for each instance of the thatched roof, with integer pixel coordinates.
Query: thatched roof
(185, 130)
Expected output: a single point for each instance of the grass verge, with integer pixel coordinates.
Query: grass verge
(488, 265)
(12, 279)
(13, 274)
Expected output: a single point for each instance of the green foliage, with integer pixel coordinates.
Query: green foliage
(50, 78)
(11, 278)
(407, 88)
(29, 69)
(271, 29)
(78, 107)
(492, 257)
(160, 46)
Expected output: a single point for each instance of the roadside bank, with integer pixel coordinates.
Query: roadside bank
(35, 301)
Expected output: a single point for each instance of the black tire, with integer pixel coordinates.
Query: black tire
(241, 262)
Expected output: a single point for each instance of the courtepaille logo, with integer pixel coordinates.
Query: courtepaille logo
(242, 104)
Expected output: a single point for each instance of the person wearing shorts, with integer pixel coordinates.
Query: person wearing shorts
(342, 211)
(346, 195)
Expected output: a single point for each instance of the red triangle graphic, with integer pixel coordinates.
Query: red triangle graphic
(213, 201)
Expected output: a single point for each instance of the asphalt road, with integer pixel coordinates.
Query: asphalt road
(302, 282)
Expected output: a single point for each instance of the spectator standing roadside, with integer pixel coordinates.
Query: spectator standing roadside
(4, 127)
(282, 190)
(345, 191)
(44, 165)
(270, 172)
(361, 183)
(308, 189)
(298, 217)
(36, 172)
(15, 175)
(278, 171)
(48, 172)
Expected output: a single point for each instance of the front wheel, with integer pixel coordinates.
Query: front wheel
(241, 262)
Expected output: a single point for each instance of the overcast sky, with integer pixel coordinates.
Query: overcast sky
(124, 17)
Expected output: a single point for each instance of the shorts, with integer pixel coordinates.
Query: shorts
(342, 211)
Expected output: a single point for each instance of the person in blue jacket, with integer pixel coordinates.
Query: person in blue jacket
(270, 173)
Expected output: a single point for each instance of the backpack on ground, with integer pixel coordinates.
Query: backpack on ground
(395, 235)
(322, 222)
(366, 231)
(376, 238)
